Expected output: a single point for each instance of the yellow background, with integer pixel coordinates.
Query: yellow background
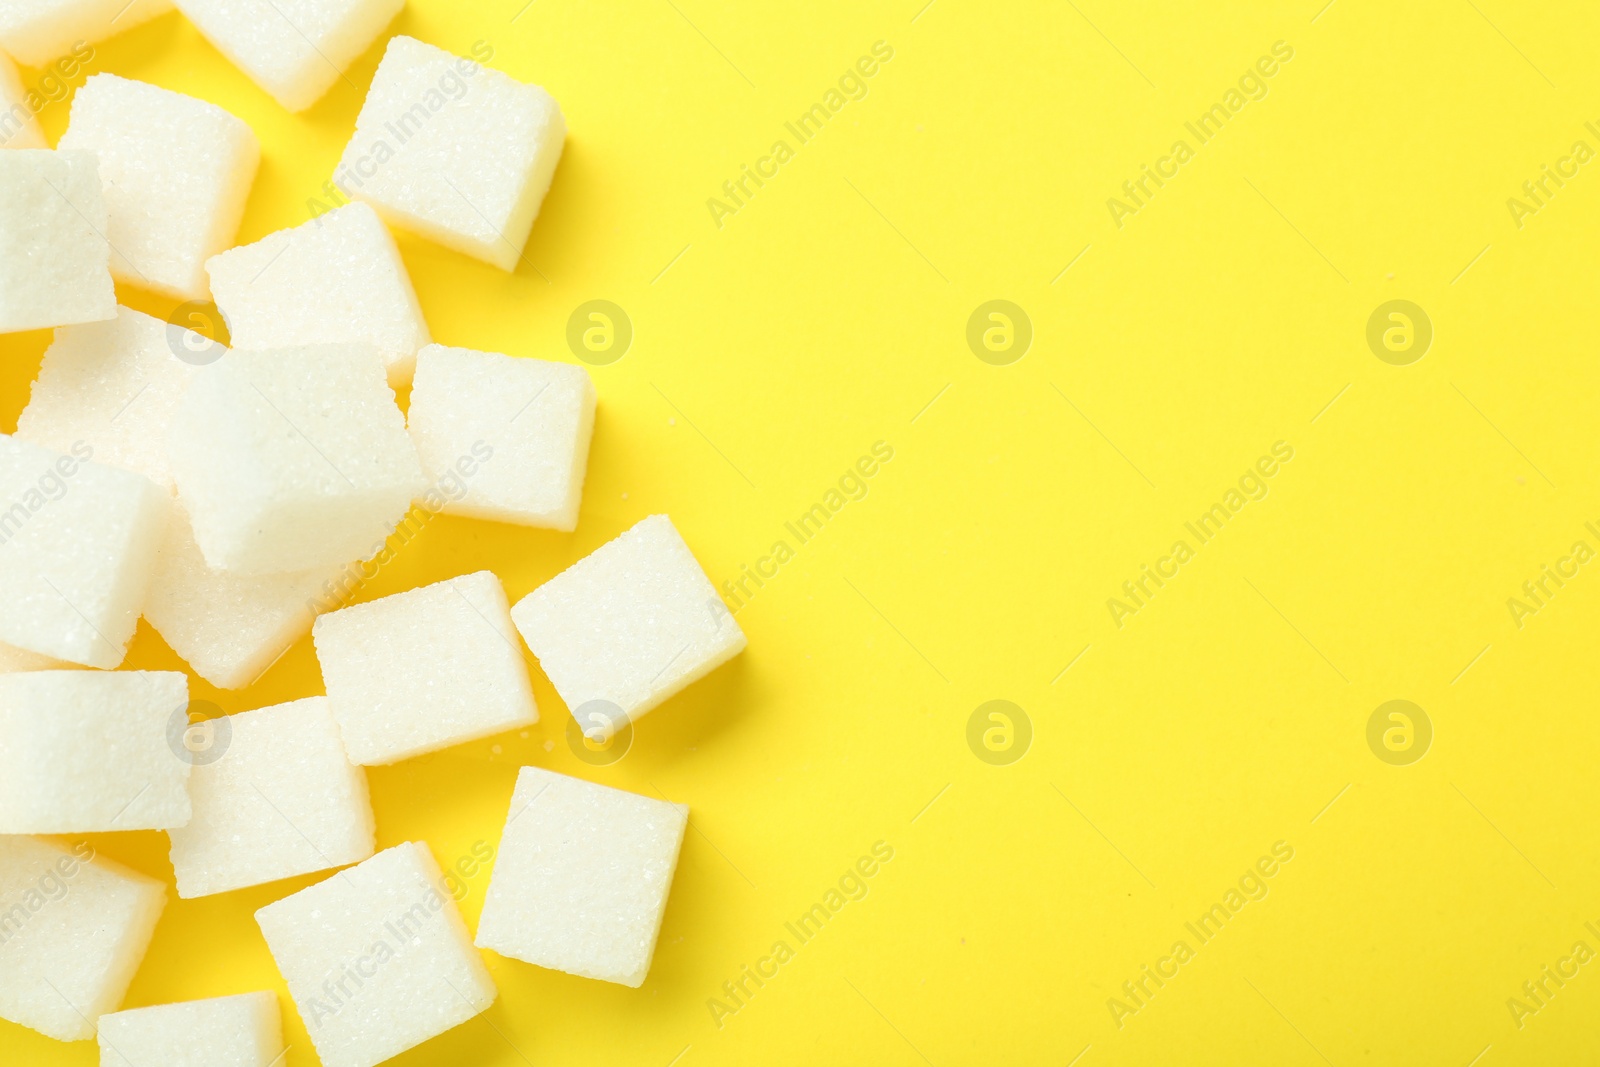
(772, 352)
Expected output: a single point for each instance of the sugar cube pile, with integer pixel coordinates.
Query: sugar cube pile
(237, 1031)
(294, 49)
(378, 958)
(237, 497)
(581, 881)
(73, 928)
(175, 172)
(36, 31)
(630, 624)
(293, 459)
(87, 751)
(281, 799)
(336, 279)
(424, 669)
(454, 151)
(534, 419)
(57, 264)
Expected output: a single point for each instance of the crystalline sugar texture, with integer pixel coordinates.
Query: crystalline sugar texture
(454, 151)
(175, 172)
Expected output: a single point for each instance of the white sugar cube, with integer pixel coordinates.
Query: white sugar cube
(533, 420)
(454, 151)
(86, 751)
(238, 1031)
(281, 799)
(37, 31)
(336, 279)
(16, 659)
(229, 627)
(56, 269)
(628, 625)
(78, 545)
(581, 880)
(421, 670)
(293, 459)
(113, 386)
(378, 958)
(19, 123)
(73, 929)
(175, 172)
(294, 49)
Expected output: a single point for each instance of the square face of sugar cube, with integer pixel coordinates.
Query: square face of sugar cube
(581, 881)
(280, 798)
(454, 151)
(424, 669)
(175, 173)
(73, 929)
(515, 431)
(114, 387)
(334, 280)
(56, 269)
(87, 751)
(237, 1031)
(378, 958)
(292, 459)
(231, 627)
(77, 547)
(629, 625)
(37, 31)
(19, 126)
(294, 49)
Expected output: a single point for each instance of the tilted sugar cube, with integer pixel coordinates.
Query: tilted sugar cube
(78, 544)
(228, 627)
(175, 172)
(378, 958)
(516, 432)
(294, 49)
(334, 280)
(282, 799)
(293, 459)
(238, 1031)
(73, 929)
(113, 386)
(88, 751)
(628, 625)
(453, 151)
(424, 669)
(36, 31)
(581, 880)
(19, 124)
(56, 269)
